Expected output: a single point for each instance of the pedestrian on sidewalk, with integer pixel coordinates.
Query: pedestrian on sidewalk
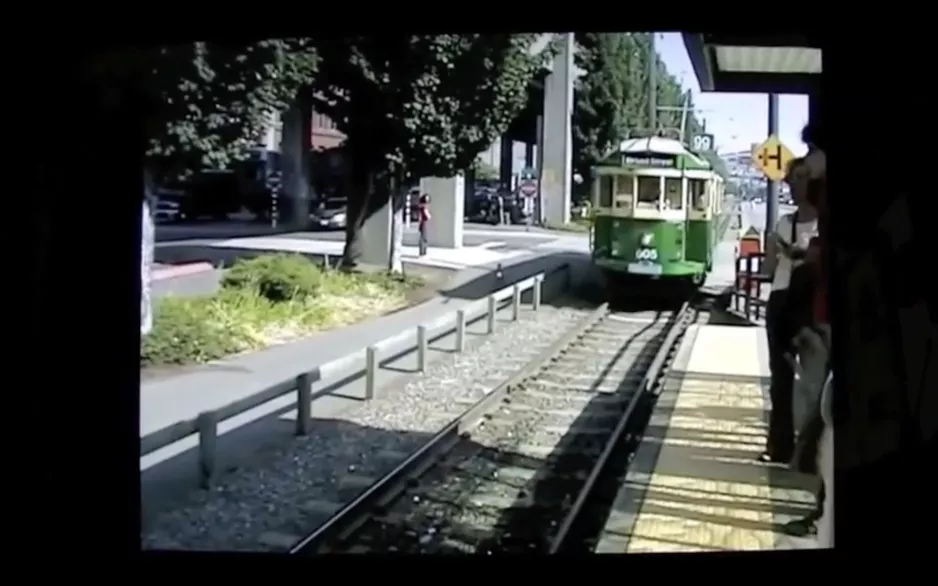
(785, 250)
(423, 208)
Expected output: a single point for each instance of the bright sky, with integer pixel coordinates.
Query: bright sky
(735, 120)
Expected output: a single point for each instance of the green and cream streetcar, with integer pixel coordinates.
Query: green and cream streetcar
(658, 212)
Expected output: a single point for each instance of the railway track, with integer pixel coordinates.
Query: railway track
(522, 469)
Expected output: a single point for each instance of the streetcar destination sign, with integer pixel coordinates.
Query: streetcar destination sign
(649, 160)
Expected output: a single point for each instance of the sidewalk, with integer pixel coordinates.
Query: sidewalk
(454, 258)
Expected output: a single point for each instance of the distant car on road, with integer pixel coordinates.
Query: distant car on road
(329, 214)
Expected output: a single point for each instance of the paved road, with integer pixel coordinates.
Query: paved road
(209, 230)
(510, 240)
(506, 238)
(240, 228)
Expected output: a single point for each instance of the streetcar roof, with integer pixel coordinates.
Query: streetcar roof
(683, 157)
(664, 146)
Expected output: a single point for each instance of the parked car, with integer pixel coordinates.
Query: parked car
(166, 210)
(329, 214)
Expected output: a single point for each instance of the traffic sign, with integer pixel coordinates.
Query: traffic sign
(772, 158)
(528, 188)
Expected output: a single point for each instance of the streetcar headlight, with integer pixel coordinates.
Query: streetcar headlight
(647, 239)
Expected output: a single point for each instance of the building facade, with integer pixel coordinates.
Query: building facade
(325, 135)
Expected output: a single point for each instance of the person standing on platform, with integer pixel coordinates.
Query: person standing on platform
(423, 208)
(813, 344)
(816, 162)
(785, 250)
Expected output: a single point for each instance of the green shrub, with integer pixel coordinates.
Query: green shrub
(277, 277)
(263, 301)
(186, 331)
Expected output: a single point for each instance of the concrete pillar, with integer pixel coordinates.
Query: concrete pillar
(376, 237)
(557, 142)
(506, 161)
(447, 210)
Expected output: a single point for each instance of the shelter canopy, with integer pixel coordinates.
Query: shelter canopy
(783, 63)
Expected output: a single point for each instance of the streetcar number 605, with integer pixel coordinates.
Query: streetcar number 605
(646, 254)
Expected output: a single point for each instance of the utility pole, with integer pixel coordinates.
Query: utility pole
(653, 85)
(771, 187)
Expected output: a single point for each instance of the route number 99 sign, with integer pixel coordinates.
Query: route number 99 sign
(702, 142)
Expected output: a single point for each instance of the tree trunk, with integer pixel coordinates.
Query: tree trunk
(295, 147)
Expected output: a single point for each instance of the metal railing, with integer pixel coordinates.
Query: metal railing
(418, 338)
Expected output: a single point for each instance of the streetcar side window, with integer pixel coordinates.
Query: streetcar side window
(649, 192)
(697, 189)
(606, 187)
(624, 185)
(673, 195)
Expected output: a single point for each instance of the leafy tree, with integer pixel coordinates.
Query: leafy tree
(599, 121)
(635, 108)
(484, 171)
(612, 99)
(206, 103)
(417, 106)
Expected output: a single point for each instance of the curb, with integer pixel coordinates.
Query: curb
(181, 270)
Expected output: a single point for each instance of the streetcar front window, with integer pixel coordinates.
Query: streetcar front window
(673, 195)
(649, 192)
(606, 188)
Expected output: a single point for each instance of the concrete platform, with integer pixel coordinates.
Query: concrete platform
(696, 483)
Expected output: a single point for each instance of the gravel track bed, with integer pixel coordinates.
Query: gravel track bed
(269, 504)
(507, 486)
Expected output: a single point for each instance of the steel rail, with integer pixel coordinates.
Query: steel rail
(356, 512)
(654, 371)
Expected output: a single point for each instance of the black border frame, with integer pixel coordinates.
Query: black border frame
(77, 453)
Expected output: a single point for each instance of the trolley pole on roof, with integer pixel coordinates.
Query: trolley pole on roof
(771, 187)
(653, 85)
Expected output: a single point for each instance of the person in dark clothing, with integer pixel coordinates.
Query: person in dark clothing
(785, 249)
(814, 351)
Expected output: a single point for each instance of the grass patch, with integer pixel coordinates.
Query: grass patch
(265, 301)
(581, 225)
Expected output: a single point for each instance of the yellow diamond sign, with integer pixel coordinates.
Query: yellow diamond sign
(772, 158)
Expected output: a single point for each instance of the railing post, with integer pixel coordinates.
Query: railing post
(737, 285)
(371, 368)
(516, 303)
(422, 348)
(493, 308)
(460, 330)
(208, 438)
(304, 404)
(536, 293)
(747, 285)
